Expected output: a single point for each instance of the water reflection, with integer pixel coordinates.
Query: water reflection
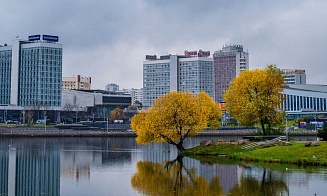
(185, 176)
(172, 178)
(261, 182)
(118, 166)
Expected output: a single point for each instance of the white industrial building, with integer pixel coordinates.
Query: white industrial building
(303, 100)
(96, 102)
(137, 94)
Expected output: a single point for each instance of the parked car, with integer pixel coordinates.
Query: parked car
(40, 121)
(11, 122)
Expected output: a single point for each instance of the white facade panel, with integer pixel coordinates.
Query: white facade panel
(14, 72)
(173, 73)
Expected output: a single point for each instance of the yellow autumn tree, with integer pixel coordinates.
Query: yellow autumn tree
(117, 114)
(255, 97)
(175, 116)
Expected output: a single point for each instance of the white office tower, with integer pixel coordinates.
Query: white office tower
(112, 87)
(294, 76)
(192, 72)
(31, 72)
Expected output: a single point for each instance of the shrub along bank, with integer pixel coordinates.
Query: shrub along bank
(296, 153)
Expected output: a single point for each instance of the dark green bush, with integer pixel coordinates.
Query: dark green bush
(322, 133)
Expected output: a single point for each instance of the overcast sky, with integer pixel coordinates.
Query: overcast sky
(108, 39)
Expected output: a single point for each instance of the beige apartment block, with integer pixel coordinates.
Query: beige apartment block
(76, 82)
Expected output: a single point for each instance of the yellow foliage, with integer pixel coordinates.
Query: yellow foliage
(117, 114)
(175, 116)
(156, 179)
(255, 96)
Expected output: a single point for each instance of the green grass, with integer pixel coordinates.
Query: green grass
(216, 149)
(296, 153)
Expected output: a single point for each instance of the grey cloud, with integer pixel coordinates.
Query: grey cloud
(108, 40)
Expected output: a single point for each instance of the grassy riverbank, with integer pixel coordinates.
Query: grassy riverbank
(296, 153)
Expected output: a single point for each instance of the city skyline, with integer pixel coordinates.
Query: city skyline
(108, 40)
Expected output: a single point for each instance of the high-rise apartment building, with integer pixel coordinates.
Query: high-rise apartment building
(31, 72)
(112, 87)
(137, 94)
(294, 76)
(76, 82)
(192, 72)
(229, 62)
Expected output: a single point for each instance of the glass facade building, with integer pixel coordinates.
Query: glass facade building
(5, 74)
(31, 74)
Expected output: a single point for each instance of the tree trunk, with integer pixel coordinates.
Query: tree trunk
(269, 128)
(263, 182)
(263, 127)
(180, 146)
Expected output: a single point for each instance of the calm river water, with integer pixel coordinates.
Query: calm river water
(118, 166)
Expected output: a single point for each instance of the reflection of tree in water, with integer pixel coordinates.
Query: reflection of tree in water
(172, 178)
(268, 185)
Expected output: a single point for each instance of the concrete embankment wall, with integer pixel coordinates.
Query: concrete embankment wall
(54, 132)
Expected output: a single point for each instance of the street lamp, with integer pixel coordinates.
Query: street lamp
(45, 121)
(107, 123)
(286, 131)
(316, 126)
(23, 117)
(77, 110)
(76, 115)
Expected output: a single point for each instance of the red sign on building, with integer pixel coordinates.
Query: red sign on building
(195, 53)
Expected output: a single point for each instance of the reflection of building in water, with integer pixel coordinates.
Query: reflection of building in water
(116, 158)
(37, 172)
(4, 165)
(257, 173)
(77, 161)
(76, 164)
(159, 152)
(29, 172)
(227, 174)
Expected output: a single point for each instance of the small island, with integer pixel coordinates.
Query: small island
(301, 153)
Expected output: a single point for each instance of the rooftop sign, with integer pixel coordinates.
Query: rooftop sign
(195, 53)
(49, 38)
(203, 53)
(34, 37)
(190, 53)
